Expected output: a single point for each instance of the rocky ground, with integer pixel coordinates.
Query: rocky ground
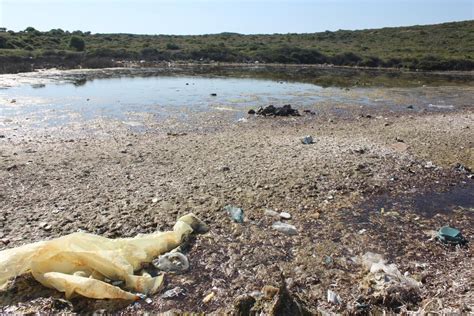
(371, 181)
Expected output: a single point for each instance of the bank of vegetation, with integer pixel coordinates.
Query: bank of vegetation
(448, 46)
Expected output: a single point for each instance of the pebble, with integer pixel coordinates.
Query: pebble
(284, 228)
(154, 200)
(285, 215)
(45, 226)
(270, 212)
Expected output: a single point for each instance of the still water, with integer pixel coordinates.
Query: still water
(120, 97)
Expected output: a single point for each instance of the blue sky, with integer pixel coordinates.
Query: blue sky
(215, 16)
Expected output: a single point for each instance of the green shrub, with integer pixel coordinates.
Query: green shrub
(77, 43)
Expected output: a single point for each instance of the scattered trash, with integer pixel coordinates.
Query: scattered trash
(307, 140)
(213, 94)
(272, 110)
(429, 165)
(411, 107)
(154, 200)
(174, 292)
(285, 215)
(148, 300)
(172, 261)
(208, 297)
(451, 236)
(77, 263)
(334, 298)
(285, 228)
(236, 213)
(461, 168)
(385, 284)
(242, 120)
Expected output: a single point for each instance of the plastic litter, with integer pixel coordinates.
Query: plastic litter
(386, 283)
(307, 140)
(452, 236)
(80, 262)
(334, 298)
(172, 261)
(236, 213)
(285, 228)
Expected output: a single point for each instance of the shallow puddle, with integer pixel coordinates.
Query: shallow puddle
(114, 94)
(426, 204)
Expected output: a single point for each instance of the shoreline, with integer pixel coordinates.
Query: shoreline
(123, 183)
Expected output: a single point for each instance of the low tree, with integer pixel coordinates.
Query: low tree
(77, 43)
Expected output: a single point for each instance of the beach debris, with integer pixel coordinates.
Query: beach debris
(451, 236)
(385, 284)
(236, 213)
(13, 101)
(411, 107)
(334, 298)
(242, 120)
(272, 110)
(208, 297)
(284, 228)
(79, 262)
(307, 140)
(174, 292)
(172, 262)
(213, 94)
(462, 168)
(285, 215)
(429, 165)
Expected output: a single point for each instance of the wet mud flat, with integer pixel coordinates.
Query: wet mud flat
(374, 180)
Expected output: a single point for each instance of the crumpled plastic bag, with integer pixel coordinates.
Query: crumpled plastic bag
(80, 262)
(386, 282)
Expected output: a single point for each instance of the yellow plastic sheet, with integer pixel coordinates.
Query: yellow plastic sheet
(79, 262)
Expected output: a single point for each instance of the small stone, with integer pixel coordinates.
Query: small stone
(45, 226)
(315, 215)
(154, 200)
(285, 215)
(307, 140)
(251, 111)
(269, 292)
(284, 228)
(270, 212)
(5, 241)
(225, 169)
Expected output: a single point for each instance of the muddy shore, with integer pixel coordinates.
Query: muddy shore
(364, 185)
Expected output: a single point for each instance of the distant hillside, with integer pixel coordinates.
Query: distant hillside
(448, 46)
